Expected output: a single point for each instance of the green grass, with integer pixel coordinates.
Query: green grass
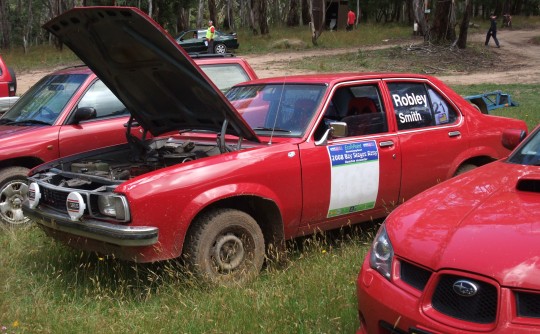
(48, 288)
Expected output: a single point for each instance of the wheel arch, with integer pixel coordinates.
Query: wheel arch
(265, 212)
(27, 162)
(476, 160)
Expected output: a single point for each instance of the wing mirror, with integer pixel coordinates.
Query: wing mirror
(84, 114)
(512, 137)
(334, 130)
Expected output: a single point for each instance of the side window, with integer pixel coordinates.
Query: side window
(360, 108)
(443, 113)
(418, 106)
(106, 104)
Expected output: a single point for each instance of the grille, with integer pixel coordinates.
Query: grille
(414, 276)
(528, 304)
(53, 198)
(480, 308)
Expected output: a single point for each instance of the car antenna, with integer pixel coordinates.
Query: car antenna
(277, 112)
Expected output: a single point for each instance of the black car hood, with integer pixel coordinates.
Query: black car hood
(147, 70)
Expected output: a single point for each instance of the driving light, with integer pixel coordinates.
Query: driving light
(382, 253)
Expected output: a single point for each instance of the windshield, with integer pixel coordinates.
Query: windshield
(277, 109)
(44, 102)
(529, 153)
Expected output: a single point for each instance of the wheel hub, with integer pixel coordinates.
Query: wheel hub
(11, 199)
(228, 252)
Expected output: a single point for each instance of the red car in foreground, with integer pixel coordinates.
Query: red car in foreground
(279, 158)
(461, 257)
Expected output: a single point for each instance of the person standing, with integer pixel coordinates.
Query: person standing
(492, 32)
(351, 19)
(210, 36)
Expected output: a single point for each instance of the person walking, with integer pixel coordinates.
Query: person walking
(492, 32)
(210, 36)
(351, 19)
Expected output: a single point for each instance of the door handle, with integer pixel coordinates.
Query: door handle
(387, 143)
(454, 134)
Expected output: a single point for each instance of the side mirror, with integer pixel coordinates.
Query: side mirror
(512, 137)
(84, 114)
(334, 130)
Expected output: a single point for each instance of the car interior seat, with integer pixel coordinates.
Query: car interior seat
(361, 105)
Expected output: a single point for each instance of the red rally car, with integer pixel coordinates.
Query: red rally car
(238, 175)
(461, 257)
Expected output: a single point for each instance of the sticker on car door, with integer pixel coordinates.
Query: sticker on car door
(354, 177)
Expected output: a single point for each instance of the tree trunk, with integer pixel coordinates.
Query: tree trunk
(254, 15)
(5, 28)
(293, 19)
(444, 20)
(420, 18)
(200, 11)
(263, 16)
(212, 10)
(464, 27)
(317, 19)
(306, 12)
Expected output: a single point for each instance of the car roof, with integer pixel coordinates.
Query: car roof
(334, 78)
(147, 70)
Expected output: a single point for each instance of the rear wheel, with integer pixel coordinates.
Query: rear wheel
(225, 246)
(220, 48)
(465, 168)
(13, 189)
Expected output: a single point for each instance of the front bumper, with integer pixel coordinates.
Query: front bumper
(385, 307)
(119, 235)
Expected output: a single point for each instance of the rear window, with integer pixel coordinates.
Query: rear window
(225, 76)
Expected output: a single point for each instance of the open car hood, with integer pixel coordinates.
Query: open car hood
(147, 70)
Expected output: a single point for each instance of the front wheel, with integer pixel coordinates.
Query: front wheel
(220, 48)
(225, 246)
(13, 188)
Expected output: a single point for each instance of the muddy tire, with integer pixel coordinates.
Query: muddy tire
(464, 168)
(225, 247)
(13, 188)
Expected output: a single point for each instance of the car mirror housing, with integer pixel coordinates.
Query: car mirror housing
(84, 114)
(512, 137)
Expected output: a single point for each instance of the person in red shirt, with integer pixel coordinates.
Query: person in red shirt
(351, 19)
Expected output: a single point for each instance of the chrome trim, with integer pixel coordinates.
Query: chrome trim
(120, 235)
(454, 134)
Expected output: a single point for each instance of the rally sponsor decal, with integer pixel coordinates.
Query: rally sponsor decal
(411, 100)
(354, 177)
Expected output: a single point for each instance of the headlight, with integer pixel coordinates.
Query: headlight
(382, 253)
(113, 206)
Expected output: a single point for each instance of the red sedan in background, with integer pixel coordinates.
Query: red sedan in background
(461, 257)
(8, 87)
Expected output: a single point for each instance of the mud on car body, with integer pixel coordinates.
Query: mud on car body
(230, 176)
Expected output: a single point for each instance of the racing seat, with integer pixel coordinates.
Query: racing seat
(361, 105)
(365, 124)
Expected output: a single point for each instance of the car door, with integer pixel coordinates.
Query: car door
(106, 129)
(354, 178)
(431, 132)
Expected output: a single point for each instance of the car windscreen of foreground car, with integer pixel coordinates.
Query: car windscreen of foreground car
(223, 181)
(461, 256)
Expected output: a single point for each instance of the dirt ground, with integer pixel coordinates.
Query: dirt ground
(519, 61)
